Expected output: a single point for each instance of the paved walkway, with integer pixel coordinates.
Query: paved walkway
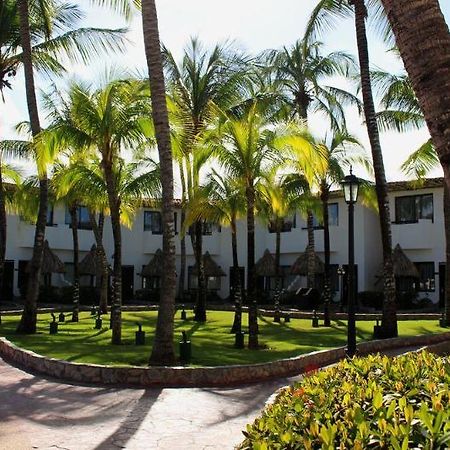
(39, 413)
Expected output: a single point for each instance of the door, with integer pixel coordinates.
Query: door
(441, 285)
(241, 271)
(7, 294)
(127, 283)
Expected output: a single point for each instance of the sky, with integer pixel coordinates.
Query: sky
(255, 25)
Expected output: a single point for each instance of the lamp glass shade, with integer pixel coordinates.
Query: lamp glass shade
(350, 185)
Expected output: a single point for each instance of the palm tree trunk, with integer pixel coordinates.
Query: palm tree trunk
(98, 234)
(326, 243)
(29, 316)
(114, 207)
(389, 317)
(200, 305)
(251, 281)
(425, 50)
(163, 350)
(237, 288)
(277, 258)
(73, 210)
(447, 246)
(311, 266)
(2, 230)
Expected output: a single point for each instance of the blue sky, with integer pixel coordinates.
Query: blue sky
(256, 25)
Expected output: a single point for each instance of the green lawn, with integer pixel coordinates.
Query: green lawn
(212, 344)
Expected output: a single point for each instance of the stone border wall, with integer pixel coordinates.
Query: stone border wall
(202, 376)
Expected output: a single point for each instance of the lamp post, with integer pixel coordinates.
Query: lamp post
(350, 185)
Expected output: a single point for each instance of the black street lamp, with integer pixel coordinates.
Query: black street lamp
(350, 185)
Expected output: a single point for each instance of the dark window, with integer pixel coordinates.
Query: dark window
(50, 213)
(84, 222)
(334, 278)
(153, 222)
(333, 214)
(286, 226)
(426, 271)
(207, 228)
(411, 208)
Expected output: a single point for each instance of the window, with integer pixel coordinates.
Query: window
(286, 226)
(333, 217)
(84, 222)
(50, 213)
(207, 228)
(153, 222)
(334, 278)
(426, 281)
(411, 208)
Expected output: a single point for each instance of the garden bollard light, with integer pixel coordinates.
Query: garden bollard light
(98, 321)
(239, 339)
(53, 325)
(139, 335)
(61, 317)
(377, 330)
(185, 349)
(287, 318)
(93, 310)
(183, 313)
(315, 320)
(442, 321)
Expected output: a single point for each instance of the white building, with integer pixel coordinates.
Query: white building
(417, 225)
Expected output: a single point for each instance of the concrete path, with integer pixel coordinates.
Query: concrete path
(39, 413)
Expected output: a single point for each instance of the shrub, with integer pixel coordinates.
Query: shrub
(372, 299)
(372, 402)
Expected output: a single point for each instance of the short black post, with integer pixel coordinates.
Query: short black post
(98, 321)
(93, 310)
(61, 317)
(377, 330)
(315, 320)
(287, 318)
(140, 335)
(442, 321)
(185, 349)
(239, 341)
(53, 325)
(183, 313)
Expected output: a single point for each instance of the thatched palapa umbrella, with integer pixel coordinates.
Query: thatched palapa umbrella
(92, 263)
(403, 266)
(50, 262)
(210, 266)
(266, 267)
(155, 265)
(300, 266)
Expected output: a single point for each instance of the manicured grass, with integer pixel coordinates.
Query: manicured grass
(212, 343)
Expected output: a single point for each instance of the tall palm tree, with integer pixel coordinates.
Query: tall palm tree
(163, 351)
(244, 148)
(323, 15)
(104, 122)
(222, 200)
(26, 12)
(203, 81)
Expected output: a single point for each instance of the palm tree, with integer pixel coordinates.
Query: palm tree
(342, 150)
(163, 351)
(323, 15)
(71, 47)
(103, 122)
(244, 148)
(222, 201)
(203, 81)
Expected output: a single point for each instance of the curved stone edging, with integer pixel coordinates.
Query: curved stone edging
(200, 376)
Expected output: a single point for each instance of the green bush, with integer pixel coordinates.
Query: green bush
(366, 403)
(372, 299)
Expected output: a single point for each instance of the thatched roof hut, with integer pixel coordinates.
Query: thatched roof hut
(265, 266)
(155, 266)
(300, 266)
(211, 267)
(92, 263)
(403, 266)
(50, 262)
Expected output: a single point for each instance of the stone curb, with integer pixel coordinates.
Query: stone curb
(144, 377)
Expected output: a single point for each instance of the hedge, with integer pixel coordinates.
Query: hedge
(364, 403)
